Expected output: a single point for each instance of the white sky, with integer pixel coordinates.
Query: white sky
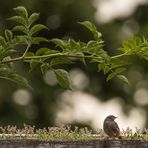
(108, 10)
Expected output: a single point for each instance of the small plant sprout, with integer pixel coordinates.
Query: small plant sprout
(65, 133)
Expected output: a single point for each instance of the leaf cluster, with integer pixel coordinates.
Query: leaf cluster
(65, 52)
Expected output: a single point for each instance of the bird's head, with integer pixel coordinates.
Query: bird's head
(111, 117)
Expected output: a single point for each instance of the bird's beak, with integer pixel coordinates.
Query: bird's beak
(116, 117)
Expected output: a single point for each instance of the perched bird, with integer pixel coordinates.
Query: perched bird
(110, 127)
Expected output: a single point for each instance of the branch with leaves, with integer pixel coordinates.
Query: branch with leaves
(25, 33)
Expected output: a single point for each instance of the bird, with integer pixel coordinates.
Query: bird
(110, 127)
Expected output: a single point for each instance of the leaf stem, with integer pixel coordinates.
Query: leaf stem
(43, 56)
(57, 54)
(23, 57)
(28, 46)
(118, 56)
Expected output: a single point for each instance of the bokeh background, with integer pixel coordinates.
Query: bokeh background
(92, 98)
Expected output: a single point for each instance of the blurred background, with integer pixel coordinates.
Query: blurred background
(92, 98)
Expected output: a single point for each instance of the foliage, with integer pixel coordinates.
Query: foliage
(65, 52)
(65, 133)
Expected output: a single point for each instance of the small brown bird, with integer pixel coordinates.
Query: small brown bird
(110, 127)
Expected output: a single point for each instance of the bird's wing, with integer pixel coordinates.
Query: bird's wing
(115, 129)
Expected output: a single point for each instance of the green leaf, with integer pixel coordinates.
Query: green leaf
(93, 43)
(21, 29)
(19, 80)
(21, 39)
(44, 68)
(18, 19)
(45, 51)
(4, 71)
(60, 60)
(8, 35)
(119, 70)
(42, 51)
(118, 62)
(106, 69)
(101, 66)
(113, 74)
(95, 48)
(58, 42)
(22, 12)
(88, 25)
(2, 41)
(33, 18)
(73, 44)
(33, 64)
(82, 59)
(97, 35)
(97, 59)
(10, 65)
(37, 28)
(10, 51)
(135, 46)
(123, 78)
(63, 78)
(7, 73)
(110, 76)
(37, 40)
(28, 54)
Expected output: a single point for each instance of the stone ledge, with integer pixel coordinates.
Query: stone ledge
(74, 144)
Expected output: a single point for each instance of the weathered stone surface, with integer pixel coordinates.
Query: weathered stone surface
(126, 144)
(74, 144)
